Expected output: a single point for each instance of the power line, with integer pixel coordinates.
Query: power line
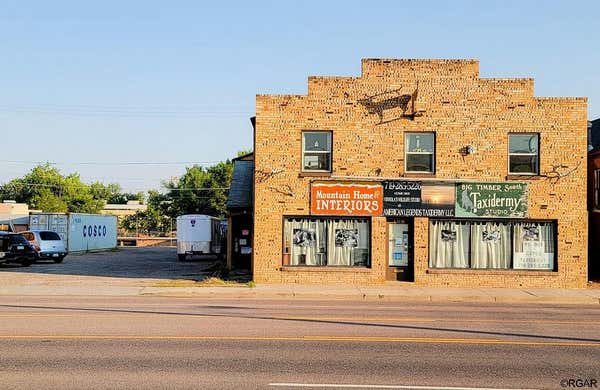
(114, 162)
(64, 186)
(124, 111)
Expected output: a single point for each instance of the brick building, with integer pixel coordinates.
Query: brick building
(420, 171)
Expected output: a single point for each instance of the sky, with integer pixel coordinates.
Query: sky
(132, 92)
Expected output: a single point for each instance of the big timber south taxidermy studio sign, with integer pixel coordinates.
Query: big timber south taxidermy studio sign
(340, 198)
(508, 200)
(418, 199)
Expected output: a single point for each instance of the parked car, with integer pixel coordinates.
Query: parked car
(47, 244)
(14, 248)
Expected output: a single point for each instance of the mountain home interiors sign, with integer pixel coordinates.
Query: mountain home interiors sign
(331, 198)
(503, 200)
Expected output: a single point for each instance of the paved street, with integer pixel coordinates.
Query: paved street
(159, 342)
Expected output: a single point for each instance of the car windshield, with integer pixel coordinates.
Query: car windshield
(49, 236)
(18, 239)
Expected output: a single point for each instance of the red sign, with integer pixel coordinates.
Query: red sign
(330, 198)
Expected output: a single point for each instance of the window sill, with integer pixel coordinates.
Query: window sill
(514, 176)
(418, 174)
(512, 272)
(304, 268)
(314, 174)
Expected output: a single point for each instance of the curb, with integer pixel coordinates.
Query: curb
(374, 297)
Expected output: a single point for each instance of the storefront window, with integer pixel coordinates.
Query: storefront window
(420, 152)
(519, 245)
(326, 242)
(534, 246)
(316, 151)
(449, 244)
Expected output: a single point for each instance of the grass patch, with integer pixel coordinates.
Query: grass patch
(208, 282)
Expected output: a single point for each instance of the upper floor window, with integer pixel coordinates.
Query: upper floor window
(523, 154)
(419, 152)
(596, 189)
(316, 151)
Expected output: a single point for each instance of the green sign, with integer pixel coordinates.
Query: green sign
(503, 200)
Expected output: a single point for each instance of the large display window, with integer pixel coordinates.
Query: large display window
(519, 245)
(326, 242)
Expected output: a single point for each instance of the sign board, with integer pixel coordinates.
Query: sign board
(500, 200)
(334, 198)
(418, 199)
(533, 257)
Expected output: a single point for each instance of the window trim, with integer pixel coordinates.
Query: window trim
(406, 152)
(596, 189)
(317, 171)
(369, 221)
(511, 221)
(537, 155)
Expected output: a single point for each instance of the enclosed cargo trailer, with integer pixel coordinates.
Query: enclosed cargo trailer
(199, 234)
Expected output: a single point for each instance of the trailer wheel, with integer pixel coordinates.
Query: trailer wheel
(181, 257)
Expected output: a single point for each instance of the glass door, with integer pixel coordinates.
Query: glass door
(400, 262)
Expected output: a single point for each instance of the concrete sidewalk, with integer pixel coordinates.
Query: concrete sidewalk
(397, 293)
(20, 284)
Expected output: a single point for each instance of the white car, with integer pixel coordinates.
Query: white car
(47, 244)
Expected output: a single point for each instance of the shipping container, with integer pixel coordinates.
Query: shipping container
(80, 232)
(199, 234)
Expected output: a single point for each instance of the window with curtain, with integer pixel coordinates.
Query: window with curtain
(419, 152)
(490, 245)
(316, 151)
(534, 246)
(327, 242)
(449, 244)
(522, 245)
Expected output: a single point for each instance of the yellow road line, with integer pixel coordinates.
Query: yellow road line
(365, 339)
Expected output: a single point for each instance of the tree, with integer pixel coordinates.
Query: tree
(46, 189)
(201, 191)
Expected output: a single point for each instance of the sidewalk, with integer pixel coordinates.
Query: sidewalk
(20, 284)
(386, 293)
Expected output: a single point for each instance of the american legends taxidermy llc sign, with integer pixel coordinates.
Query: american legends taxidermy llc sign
(403, 198)
(508, 200)
(331, 198)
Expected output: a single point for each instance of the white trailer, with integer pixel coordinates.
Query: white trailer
(199, 234)
(80, 232)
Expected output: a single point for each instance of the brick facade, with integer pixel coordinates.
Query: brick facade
(443, 96)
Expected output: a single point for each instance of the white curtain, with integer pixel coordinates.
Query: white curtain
(545, 236)
(448, 244)
(351, 252)
(312, 250)
(490, 245)
(313, 241)
(534, 245)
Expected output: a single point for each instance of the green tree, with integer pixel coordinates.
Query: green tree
(45, 188)
(201, 191)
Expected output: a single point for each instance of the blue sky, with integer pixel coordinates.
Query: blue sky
(115, 82)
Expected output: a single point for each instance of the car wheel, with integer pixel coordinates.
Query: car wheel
(59, 260)
(181, 257)
(27, 263)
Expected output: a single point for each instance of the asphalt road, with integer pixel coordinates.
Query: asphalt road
(158, 342)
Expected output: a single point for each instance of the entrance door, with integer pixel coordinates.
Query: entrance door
(400, 247)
